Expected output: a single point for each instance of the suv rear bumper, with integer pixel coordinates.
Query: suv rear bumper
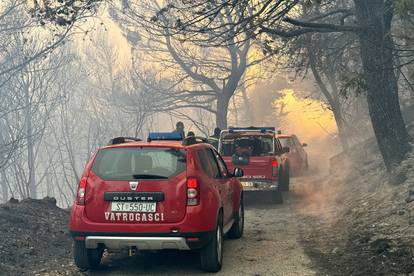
(145, 241)
(142, 243)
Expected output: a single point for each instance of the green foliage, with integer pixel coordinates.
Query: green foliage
(268, 48)
(404, 7)
(352, 83)
(61, 12)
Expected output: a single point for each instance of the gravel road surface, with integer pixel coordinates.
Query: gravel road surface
(270, 246)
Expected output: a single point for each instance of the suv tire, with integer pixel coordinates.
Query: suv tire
(236, 230)
(211, 256)
(86, 258)
(277, 197)
(285, 179)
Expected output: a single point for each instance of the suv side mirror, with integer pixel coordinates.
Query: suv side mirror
(285, 150)
(304, 145)
(238, 172)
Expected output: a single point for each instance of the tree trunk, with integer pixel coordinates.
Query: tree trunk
(332, 99)
(222, 110)
(248, 110)
(236, 113)
(31, 183)
(382, 93)
(4, 189)
(342, 133)
(3, 156)
(337, 109)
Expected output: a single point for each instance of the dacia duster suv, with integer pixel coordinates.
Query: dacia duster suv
(160, 194)
(261, 156)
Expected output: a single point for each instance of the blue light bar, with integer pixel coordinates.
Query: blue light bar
(164, 136)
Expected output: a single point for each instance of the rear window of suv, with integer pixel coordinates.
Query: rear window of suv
(139, 163)
(254, 145)
(286, 141)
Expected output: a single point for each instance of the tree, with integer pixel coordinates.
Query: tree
(404, 39)
(56, 17)
(370, 20)
(122, 86)
(33, 99)
(25, 19)
(331, 61)
(378, 62)
(203, 77)
(373, 28)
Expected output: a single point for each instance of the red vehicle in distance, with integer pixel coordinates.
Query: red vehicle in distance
(261, 156)
(297, 155)
(164, 193)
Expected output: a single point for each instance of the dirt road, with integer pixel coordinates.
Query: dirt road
(270, 246)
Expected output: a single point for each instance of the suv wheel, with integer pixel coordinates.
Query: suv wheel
(86, 258)
(277, 197)
(285, 180)
(236, 230)
(211, 256)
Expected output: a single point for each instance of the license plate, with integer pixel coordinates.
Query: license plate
(247, 184)
(138, 207)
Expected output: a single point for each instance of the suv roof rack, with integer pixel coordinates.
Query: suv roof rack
(164, 136)
(191, 140)
(121, 140)
(252, 128)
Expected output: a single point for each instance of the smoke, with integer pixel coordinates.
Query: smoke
(314, 124)
(318, 197)
(318, 193)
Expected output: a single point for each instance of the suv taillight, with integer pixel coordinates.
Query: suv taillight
(80, 196)
(193, 191)
(274, 167)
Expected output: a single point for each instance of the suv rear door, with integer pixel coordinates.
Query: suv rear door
(137, 174)
(256, 165)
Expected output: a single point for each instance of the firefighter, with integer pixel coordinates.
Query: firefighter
(191, 139)
(179, 128)
(214, 139)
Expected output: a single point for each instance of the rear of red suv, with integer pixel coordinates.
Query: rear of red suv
(258, 152)
(152, 196)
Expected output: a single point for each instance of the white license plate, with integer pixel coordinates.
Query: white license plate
(247, 184)
(138, 207)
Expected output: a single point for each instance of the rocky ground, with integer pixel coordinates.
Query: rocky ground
(353, 222)
(33, 237)
(362, 220)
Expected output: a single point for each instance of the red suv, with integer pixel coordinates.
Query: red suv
(297, 154)
(160, 194)
(262, 157)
